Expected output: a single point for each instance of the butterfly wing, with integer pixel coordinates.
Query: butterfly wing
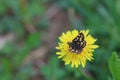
(79, 41)
(77, 44)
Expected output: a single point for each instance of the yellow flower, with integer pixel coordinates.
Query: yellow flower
(73, 54)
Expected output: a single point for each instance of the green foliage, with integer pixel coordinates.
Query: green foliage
(114, 66)
(14, 16)
(52, 71)
(12, 57)
(12, 54)
(32, 42)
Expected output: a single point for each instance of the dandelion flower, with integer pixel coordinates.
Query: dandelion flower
(76, 47)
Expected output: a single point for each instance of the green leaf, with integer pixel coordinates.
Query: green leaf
(6, 73)
(33, 40)
(52, 71)
(114, 66)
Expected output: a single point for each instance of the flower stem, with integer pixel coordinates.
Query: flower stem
(88, 77)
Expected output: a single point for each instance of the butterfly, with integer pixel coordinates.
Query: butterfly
(77, 44)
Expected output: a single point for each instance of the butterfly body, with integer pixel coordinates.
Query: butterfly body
(77, 44)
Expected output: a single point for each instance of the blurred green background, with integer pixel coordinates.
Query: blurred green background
(29, 31)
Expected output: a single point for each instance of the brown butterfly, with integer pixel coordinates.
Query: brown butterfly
(77, 44)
